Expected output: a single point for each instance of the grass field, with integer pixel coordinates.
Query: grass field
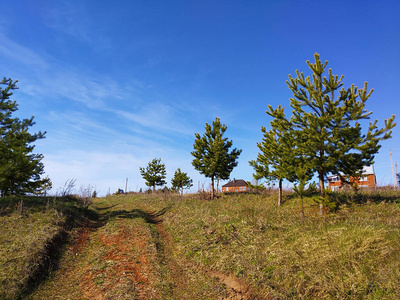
(163, 246)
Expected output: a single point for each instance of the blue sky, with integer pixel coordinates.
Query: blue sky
(118, 83)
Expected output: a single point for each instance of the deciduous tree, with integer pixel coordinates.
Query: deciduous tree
(212, 155)
(154, 174)
(20, 169)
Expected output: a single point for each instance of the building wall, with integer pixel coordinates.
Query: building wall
(368, 182)
(234, 189)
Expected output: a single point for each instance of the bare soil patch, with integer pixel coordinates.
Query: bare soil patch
(105, 264)
(131, 255)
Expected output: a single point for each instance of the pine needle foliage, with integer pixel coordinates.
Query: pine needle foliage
(212, 155)
(275, 161)
(326, 118)
(20, 169)
(180, 181)
(154, 174)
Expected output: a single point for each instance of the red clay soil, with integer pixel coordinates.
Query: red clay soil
(102, 265)
(128, 267)
(81, 236)
(119, 266)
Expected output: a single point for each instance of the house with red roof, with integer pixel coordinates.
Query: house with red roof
(236, 185)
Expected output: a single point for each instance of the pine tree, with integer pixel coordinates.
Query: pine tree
(303, 175)
(327, 120)
(275, 161)
(212, 156)
(154, 174)
(20, 169)
(180, 181)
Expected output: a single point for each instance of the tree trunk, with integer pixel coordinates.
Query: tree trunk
(154, 187)
(321, 190)
(280, 192)
(212, 187)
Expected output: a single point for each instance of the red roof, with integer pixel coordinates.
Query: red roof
(235, 182)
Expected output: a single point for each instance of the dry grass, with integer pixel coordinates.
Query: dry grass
(32, 231)
(22, 240)
(351, 254)
(348, 254)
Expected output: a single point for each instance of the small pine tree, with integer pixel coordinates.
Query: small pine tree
(180, 181)
(277, 151)
(212, 155)
(303, 175)
(154, 174)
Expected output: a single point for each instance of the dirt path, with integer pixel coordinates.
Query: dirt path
(130, 255)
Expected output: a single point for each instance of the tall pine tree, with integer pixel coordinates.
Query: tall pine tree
(20, 169)
(327, 118)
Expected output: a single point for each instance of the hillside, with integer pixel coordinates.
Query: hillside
(163, 246)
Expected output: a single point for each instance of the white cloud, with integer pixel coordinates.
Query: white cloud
(101, 169)
(55, 83)
(67, 84)
(159, 116)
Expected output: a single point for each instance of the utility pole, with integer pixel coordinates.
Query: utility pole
(397, 183)
(126, 186)
(391, 163)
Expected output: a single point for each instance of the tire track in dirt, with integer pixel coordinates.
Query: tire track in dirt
(124, 258)
(236, 289)
(126, 270)
(103, 263)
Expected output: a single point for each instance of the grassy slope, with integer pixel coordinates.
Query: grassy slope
(350, 254)
(32, 229)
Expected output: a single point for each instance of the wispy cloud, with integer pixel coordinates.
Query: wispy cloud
(101, 130)
(91, 91)
(159, 116)
(133, 100)
(74, 19)
(11, 50)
